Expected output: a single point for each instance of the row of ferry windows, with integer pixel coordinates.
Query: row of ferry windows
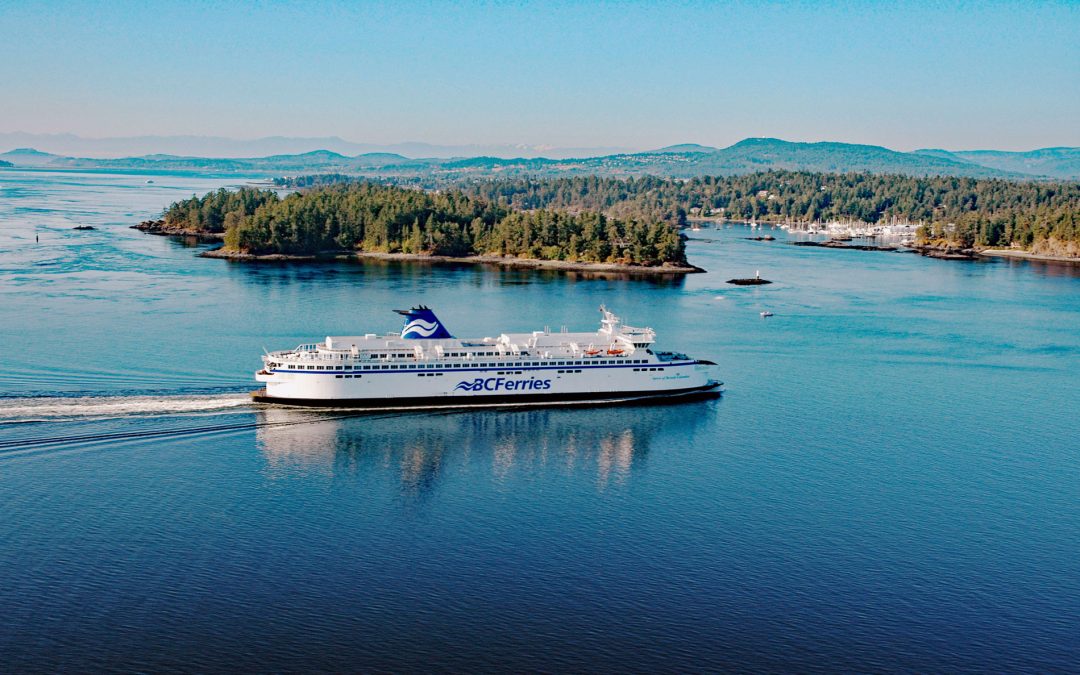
(601, 362)
(409, 355)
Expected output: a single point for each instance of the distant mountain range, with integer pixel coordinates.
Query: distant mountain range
(679, 161)
(220, 147)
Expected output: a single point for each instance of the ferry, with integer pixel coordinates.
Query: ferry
(424, 366)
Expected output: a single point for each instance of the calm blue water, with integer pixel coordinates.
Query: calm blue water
(890, 482)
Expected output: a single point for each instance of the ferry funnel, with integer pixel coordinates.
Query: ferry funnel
(422, 324)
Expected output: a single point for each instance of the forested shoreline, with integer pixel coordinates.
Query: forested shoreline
(962, 212)
(631, 221)
(377, 218)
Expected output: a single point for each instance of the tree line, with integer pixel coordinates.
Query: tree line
(965, 211)
(371, 216)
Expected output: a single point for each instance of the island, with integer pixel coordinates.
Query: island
(375, 220)
(632, 222)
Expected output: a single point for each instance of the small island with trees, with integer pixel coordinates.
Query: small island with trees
(366, 219)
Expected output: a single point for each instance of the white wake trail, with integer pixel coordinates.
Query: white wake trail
(101, 407)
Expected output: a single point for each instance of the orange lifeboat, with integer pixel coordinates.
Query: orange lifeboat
(592, 352)
(614, 351)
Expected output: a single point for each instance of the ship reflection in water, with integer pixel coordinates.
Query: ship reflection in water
(416, 450)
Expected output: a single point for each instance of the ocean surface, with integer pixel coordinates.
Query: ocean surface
(891, 481)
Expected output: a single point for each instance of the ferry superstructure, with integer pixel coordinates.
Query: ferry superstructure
(425, 366)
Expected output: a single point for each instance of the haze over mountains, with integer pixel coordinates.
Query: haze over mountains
(684, 160)
(222, 147)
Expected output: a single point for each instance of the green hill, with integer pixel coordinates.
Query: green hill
(1050, 162)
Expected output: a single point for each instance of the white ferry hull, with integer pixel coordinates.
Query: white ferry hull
(465, 387)
(711, 390)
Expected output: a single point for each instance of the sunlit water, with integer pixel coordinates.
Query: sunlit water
(890, 482)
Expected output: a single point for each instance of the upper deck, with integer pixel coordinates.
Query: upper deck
(612, 341)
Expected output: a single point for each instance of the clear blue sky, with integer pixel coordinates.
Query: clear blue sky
(635, 74)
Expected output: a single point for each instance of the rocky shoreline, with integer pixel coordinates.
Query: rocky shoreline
(159, 227)
(520, 263)
(1027, 255)
(836, 243)
(943, 251)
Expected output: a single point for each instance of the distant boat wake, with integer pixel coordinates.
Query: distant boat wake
(55, 408)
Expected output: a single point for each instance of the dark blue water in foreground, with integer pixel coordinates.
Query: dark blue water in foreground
(891, 481)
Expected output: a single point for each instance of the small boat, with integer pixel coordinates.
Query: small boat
(149, 182)
(766, 314)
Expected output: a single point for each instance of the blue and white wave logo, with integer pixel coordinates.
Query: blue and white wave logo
(502, 384)
(422, 324)
(419, 328)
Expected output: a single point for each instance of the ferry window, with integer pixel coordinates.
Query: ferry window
(338, 376)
